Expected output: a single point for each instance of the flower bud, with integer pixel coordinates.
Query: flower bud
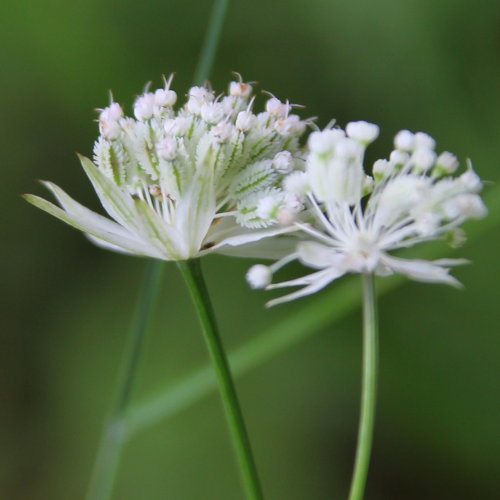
(423, 158)
(212, 112)
(283, 162)
(240, 89)
(470, 181)
(423, 140)
(109, 121)
(399, 158)
(276, 108)
(447, 162)
(362, 131)
(167, 148)
(289, 125)
(222, 132)
(245, 121)
(259, 276)
(177, 126)
(165, 98)
(381, 168)
(404, 140)
(144, 106)
(198, 96)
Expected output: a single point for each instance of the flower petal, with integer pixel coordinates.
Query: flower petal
(317, 255)
(322, 278)
(307, 279)
(251, 236)
(424, 270)
(266, 248)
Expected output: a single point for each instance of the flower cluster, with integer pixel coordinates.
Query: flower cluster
(182, 182)
(352, 220)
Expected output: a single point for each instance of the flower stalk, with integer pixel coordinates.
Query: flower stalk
(192, 273)
(368, 390)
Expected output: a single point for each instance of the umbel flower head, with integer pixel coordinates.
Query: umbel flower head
(180, 183)
(352, 221)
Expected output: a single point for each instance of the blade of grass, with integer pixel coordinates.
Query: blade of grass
(209, 47)
(306, 320)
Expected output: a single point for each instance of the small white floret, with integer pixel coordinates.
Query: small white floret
(222, 132)
(177, 126)
(324, 142)
(259, 276)
(167, 148)
(109, 118)
(165, 98)
(404, 140)
(289, 125)
(382, 168)
(276, 108)
(423, 140)
(240, 89)
(471, 181)
(198, 96)
(144, 106)
(447, 162)
(362, 131)
(245, 121)
(424, 158)
(399, 158)
(212, 112)
(283, 162)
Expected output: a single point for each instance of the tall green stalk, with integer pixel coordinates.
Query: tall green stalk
(191, 271)
(368, 389)
(110, 446)
(112, 437)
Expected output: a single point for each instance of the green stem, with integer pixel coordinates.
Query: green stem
(369, 388)
(191, 271)
(110, 446)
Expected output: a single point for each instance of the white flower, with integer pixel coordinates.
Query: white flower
(341, 233)
(181, 183)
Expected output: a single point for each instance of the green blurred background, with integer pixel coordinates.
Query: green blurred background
(417, 64)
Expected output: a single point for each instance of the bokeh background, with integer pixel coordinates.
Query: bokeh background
(418, 64)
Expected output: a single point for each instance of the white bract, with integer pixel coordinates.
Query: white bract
(352, 222)
(180, 183)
